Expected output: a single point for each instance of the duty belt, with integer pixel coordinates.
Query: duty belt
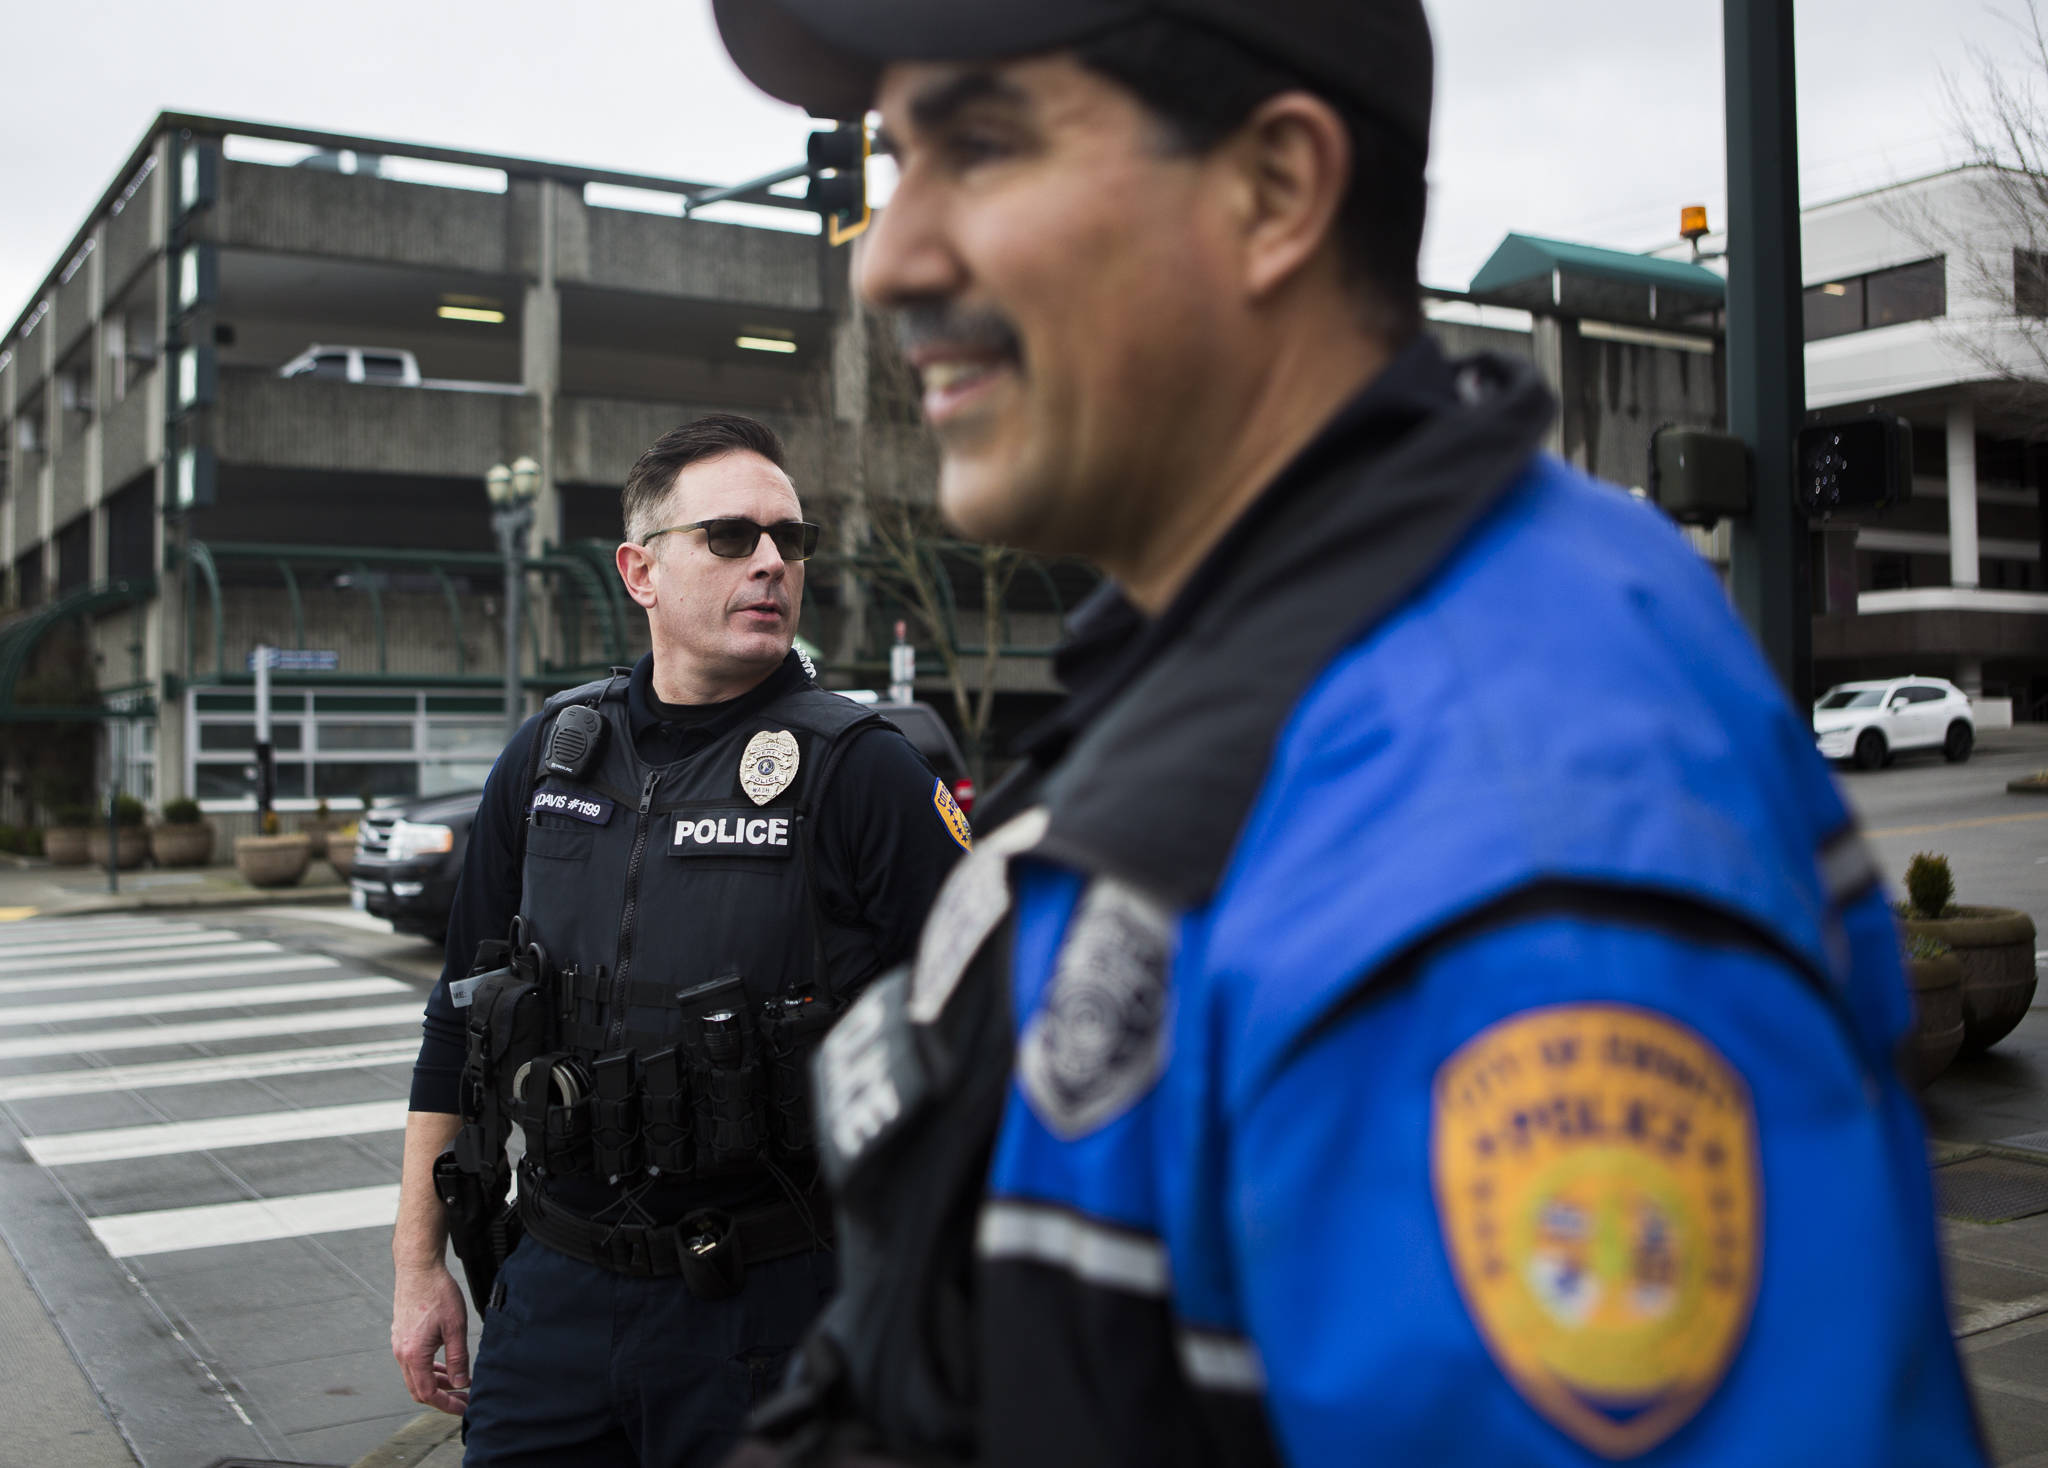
(711, 1249)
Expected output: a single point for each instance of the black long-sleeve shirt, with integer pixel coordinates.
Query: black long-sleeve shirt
(883, 851)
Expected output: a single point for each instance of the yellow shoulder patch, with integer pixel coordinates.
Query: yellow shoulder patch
(1596, 1178)
(954, 817)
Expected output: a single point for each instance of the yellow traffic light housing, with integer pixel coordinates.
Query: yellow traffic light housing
(838, 188)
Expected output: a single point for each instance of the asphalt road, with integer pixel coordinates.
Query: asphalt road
(1996, 842)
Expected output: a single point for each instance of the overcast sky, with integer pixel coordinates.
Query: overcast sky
(1588, 119)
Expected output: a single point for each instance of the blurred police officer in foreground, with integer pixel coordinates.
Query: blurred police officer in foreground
(707, 859)
(1429, 1004)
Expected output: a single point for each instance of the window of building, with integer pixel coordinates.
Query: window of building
(1890, 571)
(1834, 309)
(342, 745)
(74, 556)
(1916, 292)
(131, 530)
(2030, 282)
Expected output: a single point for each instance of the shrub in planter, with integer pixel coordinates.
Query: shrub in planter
(131, 837)
(65, 840)
(1994, 945)
(319, 826)
(1930, 886)
(1935, 976)
(184, 839)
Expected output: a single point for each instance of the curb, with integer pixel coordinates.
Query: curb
(173, 901)
(429, 1435)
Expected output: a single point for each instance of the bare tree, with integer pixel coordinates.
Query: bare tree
(1996, 243)
(910, 562)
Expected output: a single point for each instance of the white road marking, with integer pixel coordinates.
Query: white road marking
(202, 1032)
(127, 1235)
(190, 953)
(50, 930)
(295, 963)
(207, 1069)
(163, 1139)
(75, 1009)
(340, 917)
(20, 956)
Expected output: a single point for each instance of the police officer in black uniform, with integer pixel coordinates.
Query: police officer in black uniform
(677, 877)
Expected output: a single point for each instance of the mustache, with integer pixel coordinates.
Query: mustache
(922, 324)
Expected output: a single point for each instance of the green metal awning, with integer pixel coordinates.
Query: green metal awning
(1559, 277)
(20, 637)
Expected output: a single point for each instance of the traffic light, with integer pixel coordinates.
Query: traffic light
(839, 179)
(1862, 464)
(1699, 475)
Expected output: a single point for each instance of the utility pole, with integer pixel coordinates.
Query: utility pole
(1766, 335)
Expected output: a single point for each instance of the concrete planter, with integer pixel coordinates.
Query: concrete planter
(1995, 946)
(188, 845)
(341, 851)
(65, 846)
(1937, 985)
(131, 845)
(273, 861)
(317, 829)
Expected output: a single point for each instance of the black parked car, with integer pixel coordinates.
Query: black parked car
(409, 856)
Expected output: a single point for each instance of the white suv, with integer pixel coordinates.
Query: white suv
(1870, 722)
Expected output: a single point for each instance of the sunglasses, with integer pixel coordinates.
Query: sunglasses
(734, 538)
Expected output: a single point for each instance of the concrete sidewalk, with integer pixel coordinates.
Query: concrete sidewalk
(30, 887)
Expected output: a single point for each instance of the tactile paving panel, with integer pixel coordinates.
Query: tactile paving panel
(1991, 1189)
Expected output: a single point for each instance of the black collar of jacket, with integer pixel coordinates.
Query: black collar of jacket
(1155, 761)
(649, 727)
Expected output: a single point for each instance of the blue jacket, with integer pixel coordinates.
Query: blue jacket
(1429, 1006)
(1557, 783)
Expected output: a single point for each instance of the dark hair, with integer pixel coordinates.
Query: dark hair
(654, 473)
(1201, 87)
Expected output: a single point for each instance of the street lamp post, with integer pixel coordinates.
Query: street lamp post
(512, 492)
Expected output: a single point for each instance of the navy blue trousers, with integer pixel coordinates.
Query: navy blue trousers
(580, 1366)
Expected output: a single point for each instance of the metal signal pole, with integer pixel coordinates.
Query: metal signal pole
(1766, 336)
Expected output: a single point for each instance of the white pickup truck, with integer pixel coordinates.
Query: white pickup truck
(392, 365)
(385, 366)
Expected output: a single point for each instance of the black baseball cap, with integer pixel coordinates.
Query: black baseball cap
(827, 55)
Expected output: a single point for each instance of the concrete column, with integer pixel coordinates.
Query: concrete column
(540, 366)
(1555, 340)
(1962, 493)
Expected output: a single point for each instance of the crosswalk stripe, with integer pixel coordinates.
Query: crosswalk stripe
(50, 930)
(191, 953)
(295, 963)
(73, 1009)
(206, 1070)
(16, 956)
(163, 1139)
(202, 1032)
(127, 1235)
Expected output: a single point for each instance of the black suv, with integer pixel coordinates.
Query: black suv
(409, 856)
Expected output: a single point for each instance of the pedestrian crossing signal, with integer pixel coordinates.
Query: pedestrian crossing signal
(1863, 464)
(838, 188)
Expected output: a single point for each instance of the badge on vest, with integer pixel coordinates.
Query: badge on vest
(735, 831)
(768, 765)
(594, 809)
(1597, 1183)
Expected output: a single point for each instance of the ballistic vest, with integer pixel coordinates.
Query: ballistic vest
(655, 880)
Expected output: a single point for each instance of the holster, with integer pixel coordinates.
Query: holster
(482, 1225)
